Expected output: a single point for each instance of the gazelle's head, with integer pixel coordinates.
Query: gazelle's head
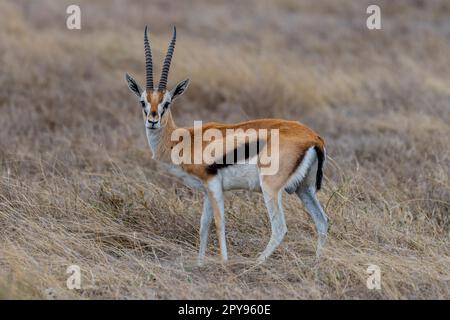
(155, 102)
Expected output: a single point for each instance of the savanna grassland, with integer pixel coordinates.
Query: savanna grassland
(78, 186)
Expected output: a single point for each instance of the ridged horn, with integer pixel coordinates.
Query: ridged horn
(148, 62)
(167, 61)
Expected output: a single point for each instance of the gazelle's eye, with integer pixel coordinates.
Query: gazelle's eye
(143, 107)
(166, 105)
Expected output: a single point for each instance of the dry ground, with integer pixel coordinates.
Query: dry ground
(77, 185)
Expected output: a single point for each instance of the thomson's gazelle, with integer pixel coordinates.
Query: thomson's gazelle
(300, 154)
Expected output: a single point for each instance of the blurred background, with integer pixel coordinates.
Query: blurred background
(78, 186)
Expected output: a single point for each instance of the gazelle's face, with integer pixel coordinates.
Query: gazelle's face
(155, 102)
(154, 106)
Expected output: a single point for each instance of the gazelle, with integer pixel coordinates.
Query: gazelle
(301, 155)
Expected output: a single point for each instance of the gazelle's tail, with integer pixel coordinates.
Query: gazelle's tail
(321, 156)
(302, 171)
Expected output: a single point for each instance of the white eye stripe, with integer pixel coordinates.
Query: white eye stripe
(164, 104)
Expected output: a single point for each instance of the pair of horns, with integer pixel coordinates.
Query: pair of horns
(166, 66)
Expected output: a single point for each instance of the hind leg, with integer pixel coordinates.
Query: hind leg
(272, 200)
(308, 196)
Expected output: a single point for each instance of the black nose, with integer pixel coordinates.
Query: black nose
(154, 113)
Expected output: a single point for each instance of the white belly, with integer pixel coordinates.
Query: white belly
(240, 176)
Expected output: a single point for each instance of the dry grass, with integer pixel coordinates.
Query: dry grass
(77, 185)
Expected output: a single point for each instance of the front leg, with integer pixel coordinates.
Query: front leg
(205, 223)
(215, 194)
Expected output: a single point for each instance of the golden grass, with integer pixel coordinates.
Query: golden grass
(77, 184)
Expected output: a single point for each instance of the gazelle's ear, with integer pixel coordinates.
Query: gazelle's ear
(132, 84)
(179, 89)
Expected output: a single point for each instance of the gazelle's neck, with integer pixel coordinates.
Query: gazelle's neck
(159, 139)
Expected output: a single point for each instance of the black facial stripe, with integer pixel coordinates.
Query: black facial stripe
(166, 105)
(143, 107)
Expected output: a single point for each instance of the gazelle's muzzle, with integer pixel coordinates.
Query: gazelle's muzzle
(153, 123)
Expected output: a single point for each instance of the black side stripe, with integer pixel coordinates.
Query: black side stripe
(229, 159)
